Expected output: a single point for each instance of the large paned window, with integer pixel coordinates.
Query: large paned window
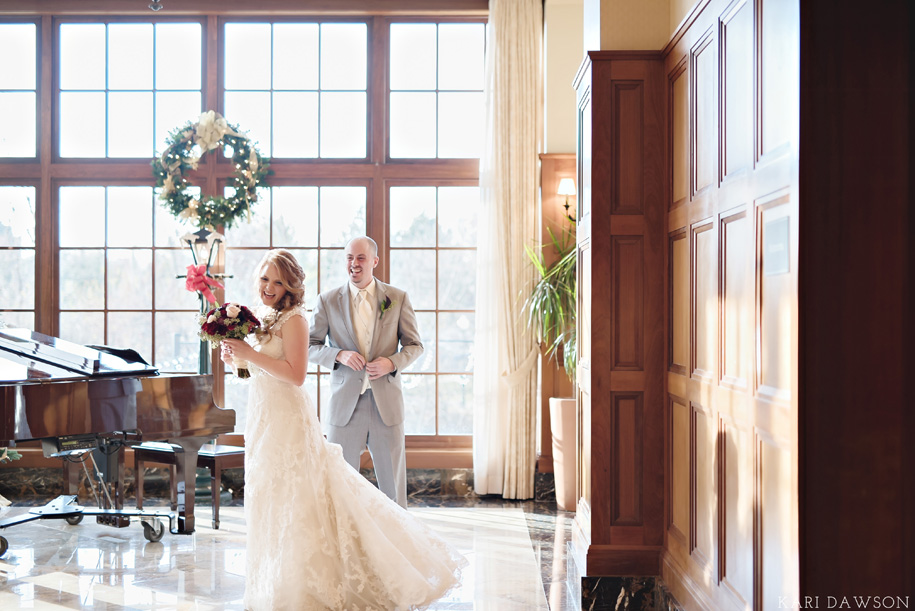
(436, 89)
(433, 255)
(314, 223)
(17, 256)
(372, 124)
(18, 90)
(123, 86)
(117, 275)
(300, 89)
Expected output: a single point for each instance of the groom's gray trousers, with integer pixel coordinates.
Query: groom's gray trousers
(386, 445)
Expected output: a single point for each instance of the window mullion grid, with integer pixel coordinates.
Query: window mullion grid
(105, 304)
(107, 135)
(437, 109)
(320, 88)
(155, 105)
(154, 348)
(437, 302)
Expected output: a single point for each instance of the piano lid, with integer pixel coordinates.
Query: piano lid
(67, 355)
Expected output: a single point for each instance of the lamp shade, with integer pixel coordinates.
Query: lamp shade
(203, 243)
(566, 186)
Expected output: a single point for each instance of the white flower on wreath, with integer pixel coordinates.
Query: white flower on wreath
(252, 166)
(190, 212)
(233, 310)
(211, 127)
(167, 187)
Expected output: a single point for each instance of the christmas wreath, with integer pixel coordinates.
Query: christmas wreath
(185, 147)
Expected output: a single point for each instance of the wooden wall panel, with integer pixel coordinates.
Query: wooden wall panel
(777, 296)
(679, 308)
(627, 458)
(737, 519)
(704, 301)
(778, 69)
(737, 75)
(740, 220)
(680, 470)
(680, 134)
(629, 123)
(737, 257)
(705, 134)
(777, 536)
(704, 488)
(628, 302)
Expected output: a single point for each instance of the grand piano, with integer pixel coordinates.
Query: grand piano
(89, 403)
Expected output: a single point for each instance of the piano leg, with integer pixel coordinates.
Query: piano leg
(186, 480)
(72, 473)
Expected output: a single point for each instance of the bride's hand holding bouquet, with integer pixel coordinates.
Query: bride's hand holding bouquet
(227, 326)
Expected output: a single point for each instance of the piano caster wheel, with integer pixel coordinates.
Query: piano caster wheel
(4, 545)
(74, 520)
(153, 533)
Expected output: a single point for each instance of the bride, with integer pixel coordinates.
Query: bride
(320, 536)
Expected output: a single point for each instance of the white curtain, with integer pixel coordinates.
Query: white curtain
(505, 373)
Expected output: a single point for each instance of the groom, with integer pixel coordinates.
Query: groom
(355, 333)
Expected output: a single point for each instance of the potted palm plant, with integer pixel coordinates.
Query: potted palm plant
(551, 305)
(551, 310)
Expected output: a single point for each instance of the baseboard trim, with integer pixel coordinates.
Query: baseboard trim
(681, 586)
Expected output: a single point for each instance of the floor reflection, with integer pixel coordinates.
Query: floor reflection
(515, 550)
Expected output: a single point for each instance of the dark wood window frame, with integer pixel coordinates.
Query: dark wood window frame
(47, 172)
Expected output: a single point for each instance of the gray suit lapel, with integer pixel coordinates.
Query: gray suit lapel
(342, 303)
(381, 291)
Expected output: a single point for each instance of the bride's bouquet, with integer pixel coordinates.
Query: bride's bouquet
(229, 321)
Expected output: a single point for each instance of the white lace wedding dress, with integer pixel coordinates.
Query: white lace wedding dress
(320, 536)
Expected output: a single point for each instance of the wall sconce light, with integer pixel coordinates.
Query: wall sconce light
(567, 188)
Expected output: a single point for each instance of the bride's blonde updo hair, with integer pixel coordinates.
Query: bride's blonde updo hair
(291, 274)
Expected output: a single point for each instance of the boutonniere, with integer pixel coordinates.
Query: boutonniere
(385, 305)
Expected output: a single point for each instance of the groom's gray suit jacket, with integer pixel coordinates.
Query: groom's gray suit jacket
(332, 330)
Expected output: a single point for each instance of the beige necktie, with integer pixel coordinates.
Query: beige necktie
(364, 329)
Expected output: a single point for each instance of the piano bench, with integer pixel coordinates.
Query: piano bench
(215, 458)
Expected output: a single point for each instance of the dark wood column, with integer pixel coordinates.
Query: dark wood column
(621, 240)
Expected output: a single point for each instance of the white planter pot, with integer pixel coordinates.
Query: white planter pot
(562, 427)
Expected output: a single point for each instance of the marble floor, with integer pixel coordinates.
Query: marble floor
(516, 554)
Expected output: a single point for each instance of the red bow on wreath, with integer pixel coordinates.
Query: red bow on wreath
(199, 282)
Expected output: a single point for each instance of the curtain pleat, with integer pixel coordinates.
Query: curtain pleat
(505, 373)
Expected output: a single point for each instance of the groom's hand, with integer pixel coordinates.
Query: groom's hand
(381, 366)
(353, 360)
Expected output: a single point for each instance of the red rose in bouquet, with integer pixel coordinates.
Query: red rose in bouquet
(228, 321)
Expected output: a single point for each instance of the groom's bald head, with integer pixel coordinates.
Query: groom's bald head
(363, 239)
(361, 259)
